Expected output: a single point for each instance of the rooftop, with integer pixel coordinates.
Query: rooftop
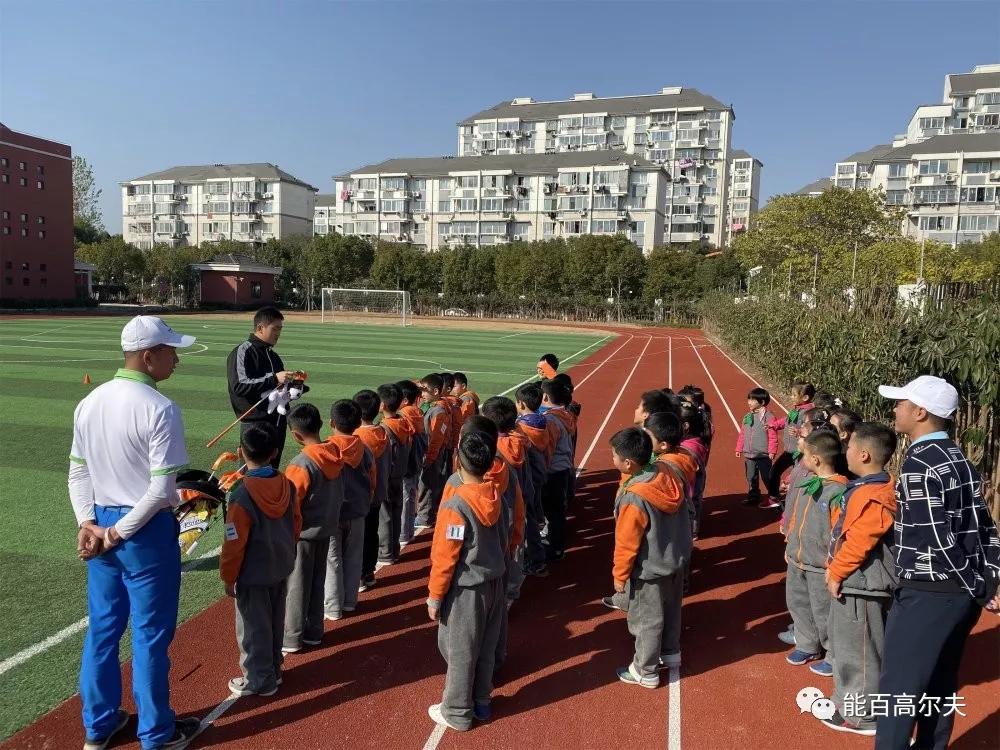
(946, 144)
(966, 83)
(326, 199)
(741, 154)
(824, 183)
(200, 173)
(865, 157)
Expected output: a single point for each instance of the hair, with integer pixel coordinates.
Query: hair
(391, 396)
(566, 380)
(824, 400)
(760, 395)
(804, 389)
(691, 415)
(656, 401)
(433, 382)
(557, 392)
(479, 423)
(345, 415)
(551, 359)
(530, 395)
(849, 420)
(878, 440)
(665, 427)
(460, 378)
(305, 418)
(369, 403)
(817, 416)
(410, 390)
(632, 444)
(826, 445)
(501, 411)
(265, 316)
(447, 381)
(259, 441)
(695, 392)
(476, 452)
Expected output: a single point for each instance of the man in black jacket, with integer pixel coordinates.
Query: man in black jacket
(254, 368)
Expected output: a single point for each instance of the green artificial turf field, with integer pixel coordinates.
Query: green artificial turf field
(42, 586)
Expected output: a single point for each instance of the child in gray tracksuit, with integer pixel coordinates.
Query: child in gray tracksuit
(757, 444)
(258, 555)
(315, 475)
(652, 545)
(807, 542)
(466, 588)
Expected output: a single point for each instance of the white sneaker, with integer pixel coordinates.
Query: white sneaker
(239, 686)
(435, 713)
(291, 649)
(333, 618)
(670, 660)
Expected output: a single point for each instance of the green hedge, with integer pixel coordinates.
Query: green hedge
(849, 352)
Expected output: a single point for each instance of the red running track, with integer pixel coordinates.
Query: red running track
(371, 681)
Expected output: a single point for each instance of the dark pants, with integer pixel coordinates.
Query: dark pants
(781, 464)
(281, 426)
(924, 638)
(390, 521)
(759, 467)
(370, 554)
(554, 504)
(432, 479)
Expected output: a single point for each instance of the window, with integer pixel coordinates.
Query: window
(487, 127)
(41, 170)
(22, 166)
(216, 208)
(976, 167)
(741, 193)
(367, 183)
(895, 197)
(845, 182)
(493, 204)
(392, 207)
(978, 194)
(640, 139)
(23, 182)
(468, 181)
(524, 205)
(25, 266)
(24, 231)
(987, 121)
(978, 223)
(393, 183)
(444, 230)
(935, 166)
(214, 188)
(935, 223)
(617, 122)
(444, 207)
(493, 227)
(390, 227)
(931, 123)
(6, 215)
(658, 136)
(26, 281)
(255, 290)
(741, 205)
(39, 219)
(605, 202)
(463, 227)
(365, 227)
(3, 161)
(43, 267)
(418, 207)
(593, 121)
(164, 188)
(573, 203)
(465, 204)
(605, 226)
(988, 97)
(548, 228)
(243, 186)
(573, 227)
(935, 195)
(41, 234)
(845, 169)
(40, 185)
(24, 217)
(898, 169)
(522, 228)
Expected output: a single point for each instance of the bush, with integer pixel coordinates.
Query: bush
(46, 304)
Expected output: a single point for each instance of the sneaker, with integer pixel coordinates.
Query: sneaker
(350, 607)
(239, 686)
(539, 570)
(787, 636)
(291, 649)
(822, 668)
(768, 503)
(435, 713)
(310, 642)
(798, 657)
(629, 677)
(609, 602)
(367, 583)
(185, 730)
(333, 616)
(751, 500)
(482, 711)
(840, 724)
(384, 563)
(417, 528)
(554, 555)
(670, 660)
(121, 721)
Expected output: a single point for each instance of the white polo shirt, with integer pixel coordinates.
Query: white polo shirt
(128, 443)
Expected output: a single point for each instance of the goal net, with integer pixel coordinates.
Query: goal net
(391, 303)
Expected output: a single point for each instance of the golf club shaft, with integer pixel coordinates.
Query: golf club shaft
(239, 419)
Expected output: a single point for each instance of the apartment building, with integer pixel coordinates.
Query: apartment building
(324, 212)
(685, 131)
(36, 218)
(815, 188)
(744, 191)
(495, 199)
(970, 104)
(249, 203)
(854, 171)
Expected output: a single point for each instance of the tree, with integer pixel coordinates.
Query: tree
(467, 270)
(399, 265)
(86, 194)
(117, 261)
(336, 260)
(86, 233)
(168, 270)
(532, 269)
(598, 267)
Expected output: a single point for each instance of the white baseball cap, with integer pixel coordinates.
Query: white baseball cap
(937, 396)
(147, 331)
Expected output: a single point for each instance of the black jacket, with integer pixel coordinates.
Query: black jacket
(251, 368)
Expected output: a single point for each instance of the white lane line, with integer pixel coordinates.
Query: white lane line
(512, 335)
(749, 376)
(674, 711)
(566, 359)
(53, 640)
(715, 385)
(670, 362)
(611, 410)
(217, 712)
(435, 738)
(598, 367)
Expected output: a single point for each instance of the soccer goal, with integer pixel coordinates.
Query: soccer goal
(386, 302)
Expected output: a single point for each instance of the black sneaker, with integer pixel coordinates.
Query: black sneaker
(367, 583)
(554, 555)
(839, 724)
(750, 500)
(185, 730)
(121, 721)
(539, 570)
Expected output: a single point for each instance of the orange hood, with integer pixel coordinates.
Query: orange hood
(374, 437)
(513, 446)
(498, 475)
(537, 436)
(568, 419)
(400, 427)
(270, 494)
(352, 450)
(683, 461)
(484, 499)
(471, 394)
(414, 417)
(327, 457)
(662, 491)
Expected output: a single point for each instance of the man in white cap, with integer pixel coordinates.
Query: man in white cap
(948, 563)
(128, 445)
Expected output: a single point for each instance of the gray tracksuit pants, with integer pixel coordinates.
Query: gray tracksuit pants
(808, 602)
(647, 600)
(343, 566)
(468, 632)
(304, 603)
(409, 509)
(857, 636)
(260, 627)
(390, 520)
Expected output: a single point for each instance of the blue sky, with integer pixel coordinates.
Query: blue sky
(322, 87)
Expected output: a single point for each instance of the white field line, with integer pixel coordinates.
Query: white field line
(749, 376)
(574, 355)
(53, 640)
(611, 409)
(598, 367)
(715, 385)
(435, 738)
(674, 710)
(512, 335)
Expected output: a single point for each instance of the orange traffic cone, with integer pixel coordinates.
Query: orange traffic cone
(86, 378)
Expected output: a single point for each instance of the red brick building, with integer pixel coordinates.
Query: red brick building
(235, 280)
(36, 218)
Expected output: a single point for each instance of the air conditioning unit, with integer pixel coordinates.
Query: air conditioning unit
(425, 217)
(268, 196)
(583, 212)
(995, 175)
(416, 194)
(950, 178)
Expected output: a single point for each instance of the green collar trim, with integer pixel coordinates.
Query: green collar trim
(812, 486)
(138, 377)
(796, 455)
(793, 415)
(748, 419)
